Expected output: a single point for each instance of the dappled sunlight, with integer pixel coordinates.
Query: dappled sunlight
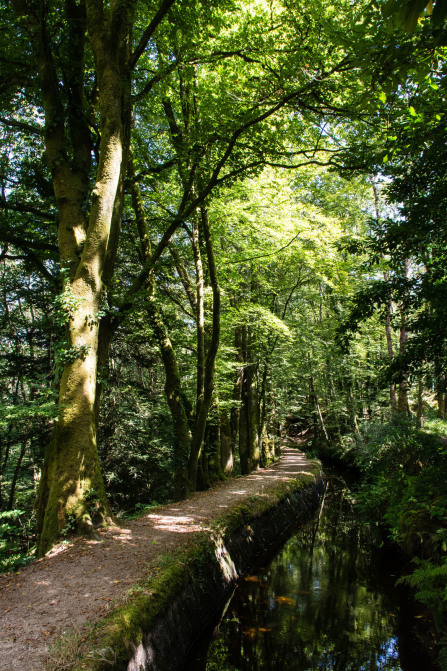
(180, 524)
(63, 546)
(227, 565)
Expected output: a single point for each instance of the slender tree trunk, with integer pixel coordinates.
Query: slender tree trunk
(317, 415)
(213, 443)
(441, 400)
(420, 406)
(208, 378)
(237, 390)
(4, 458)
(200, 317)
(402, 392)
(249, 448)
(262, 429)
(389, 306)
(402, 395)
(15, 477)
(350, 407)
(440, 386)
(175, 399)
(226, 443)
(389, 344)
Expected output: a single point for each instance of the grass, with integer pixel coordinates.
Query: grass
(66, 651)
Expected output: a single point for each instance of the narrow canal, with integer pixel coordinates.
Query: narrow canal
(326, 602)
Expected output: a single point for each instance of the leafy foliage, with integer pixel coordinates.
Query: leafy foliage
(404, 474)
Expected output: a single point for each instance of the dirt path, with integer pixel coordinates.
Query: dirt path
(81, 582)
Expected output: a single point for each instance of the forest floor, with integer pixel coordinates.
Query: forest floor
(79, 582)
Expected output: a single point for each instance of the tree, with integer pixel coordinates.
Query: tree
(204, 117)
(76, 87)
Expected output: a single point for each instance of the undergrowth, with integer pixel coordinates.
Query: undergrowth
(17, 539)
(404, 487)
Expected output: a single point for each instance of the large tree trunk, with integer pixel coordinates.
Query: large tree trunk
(72, 486)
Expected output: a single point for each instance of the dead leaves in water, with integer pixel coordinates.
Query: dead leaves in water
(252, 632)
(285, 600)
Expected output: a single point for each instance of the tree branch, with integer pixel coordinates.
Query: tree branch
(27, 245)
(28, 209)
(146, 36)
(155, 80)
(28, 128)
(155, 170)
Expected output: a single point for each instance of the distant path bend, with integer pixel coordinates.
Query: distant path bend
(80, 583)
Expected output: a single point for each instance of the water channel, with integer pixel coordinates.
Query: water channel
(326, 602)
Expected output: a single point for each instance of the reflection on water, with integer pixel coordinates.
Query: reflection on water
(324, 603)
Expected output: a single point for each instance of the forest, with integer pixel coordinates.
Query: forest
(222, 222)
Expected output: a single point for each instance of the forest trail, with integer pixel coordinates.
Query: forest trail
(80, 582)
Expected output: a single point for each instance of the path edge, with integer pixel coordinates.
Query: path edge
(156, 628)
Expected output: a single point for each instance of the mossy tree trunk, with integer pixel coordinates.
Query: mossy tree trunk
(71, 484)
(89, 205)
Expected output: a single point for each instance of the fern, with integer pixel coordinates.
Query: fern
(442, 657)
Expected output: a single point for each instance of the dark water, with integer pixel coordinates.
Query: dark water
(326, 602)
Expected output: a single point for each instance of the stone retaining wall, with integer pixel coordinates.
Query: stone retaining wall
(149, 637)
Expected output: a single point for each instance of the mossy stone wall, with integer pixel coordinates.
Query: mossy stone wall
(155, 633)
